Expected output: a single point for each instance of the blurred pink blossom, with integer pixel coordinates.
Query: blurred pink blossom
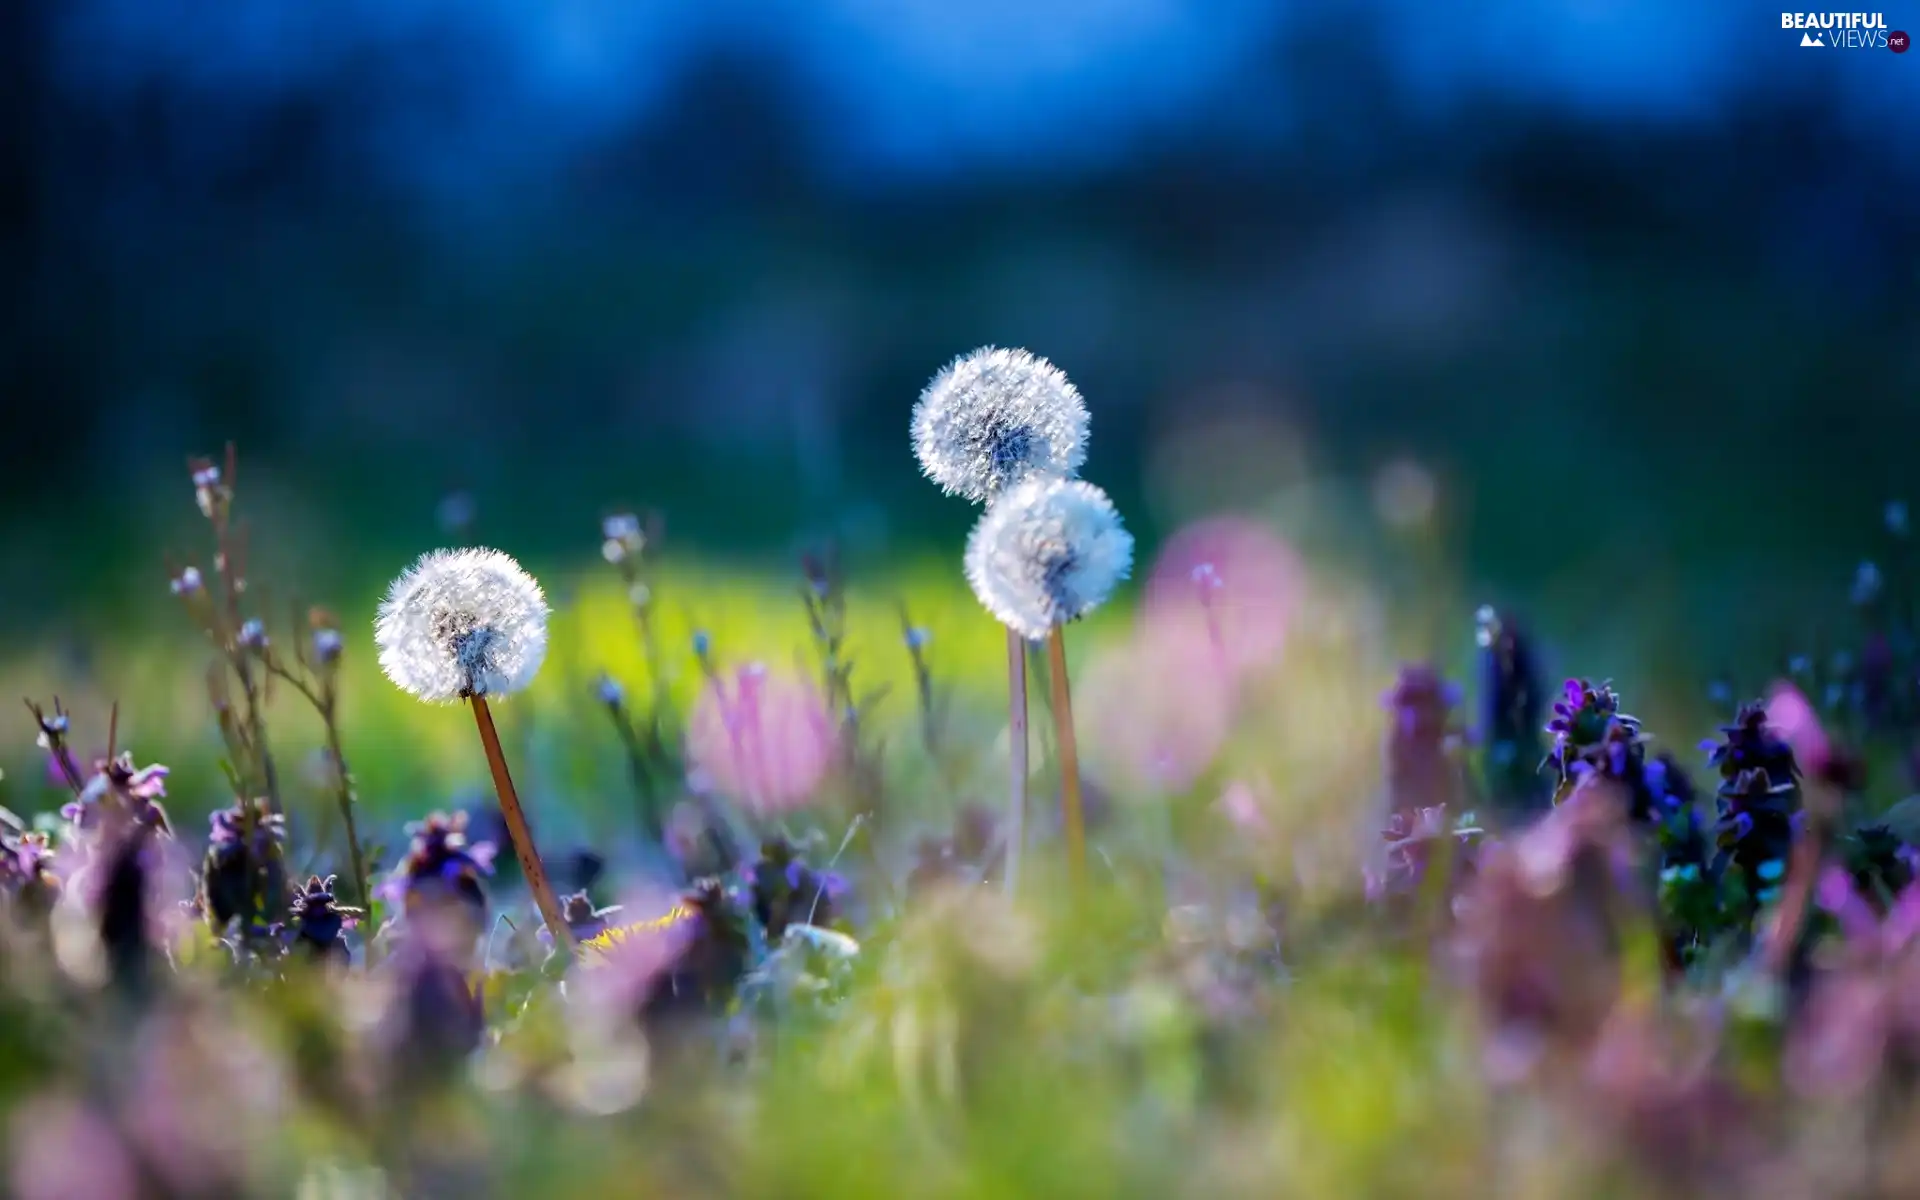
(1155, 711)
(210, 1093)
(765, 740)
(644, 941)
(1244, 811)
(63, 1150)
(170, 881)
(1861, 1010)
(1790, 712)
(1233, 579)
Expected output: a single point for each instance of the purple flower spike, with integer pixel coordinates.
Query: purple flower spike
(148, 783)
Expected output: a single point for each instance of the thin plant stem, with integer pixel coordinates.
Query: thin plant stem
(344, 799)
(1823, 806)
(517, 828)
(1017, 754)
(662, 702)
(322, 695)
(638, 754)
(1073, 817)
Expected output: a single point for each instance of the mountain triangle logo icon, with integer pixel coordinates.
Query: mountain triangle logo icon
(1811, 39)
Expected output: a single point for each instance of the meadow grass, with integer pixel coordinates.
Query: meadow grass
(1119, 1036)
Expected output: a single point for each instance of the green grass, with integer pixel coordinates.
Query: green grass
(407, 756)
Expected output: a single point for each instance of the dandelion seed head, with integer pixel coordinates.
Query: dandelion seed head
(1047, 552)
(462, 623)
(995, 418)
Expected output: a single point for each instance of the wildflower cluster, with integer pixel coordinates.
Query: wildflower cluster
(724, 995)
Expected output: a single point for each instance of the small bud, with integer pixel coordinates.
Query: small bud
(253, 635)
(1206, 578)
(639, 595)
(188, 583)
(455, 513)
(1866, 584)
(624, 528)
(327, 645)
(1896, 518)
(918, 637)
(613, 550)
(611, 693)
(1486, 626)
(702, 643)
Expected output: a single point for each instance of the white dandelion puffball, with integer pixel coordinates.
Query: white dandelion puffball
(462, 623)
(1047, 552)
(995, 418)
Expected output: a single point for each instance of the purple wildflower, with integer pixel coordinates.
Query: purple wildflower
(243, 875)
(118, 789)
(1422, 772)
(443, 867)
(1752, 743)
(1755, 831)
(1512, 695)
(319, 920)
(1585, 717)
(28, 879)
(436, 1017)
(586, 921)
(786, 891)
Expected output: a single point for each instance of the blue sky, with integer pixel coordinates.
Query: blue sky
(929, 85)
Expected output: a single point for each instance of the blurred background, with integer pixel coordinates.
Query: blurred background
(1607, 310)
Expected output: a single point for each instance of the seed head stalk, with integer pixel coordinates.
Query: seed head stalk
(517, 828)
(1017, 742)
(1073, 817)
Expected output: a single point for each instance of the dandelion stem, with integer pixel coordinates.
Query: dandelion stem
(1072, 817)
(1017, 753)
(517, 827)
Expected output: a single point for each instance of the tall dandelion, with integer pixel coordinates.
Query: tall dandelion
(1044, 554)
(467, 625)
(989, 421)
